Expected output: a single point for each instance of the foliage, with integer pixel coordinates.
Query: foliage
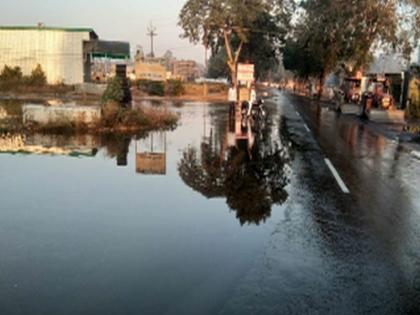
(111, 111)
(13, 78)
(37, 77)
(217, 67)
(262, 49)
(153, 88)
(114, 91)
(174, 88)
(299, 59)
(330, 32)
(11, 75)
(251, 186)
(264, 45)
(213, 22)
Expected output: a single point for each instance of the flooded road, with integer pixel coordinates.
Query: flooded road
(202, 220)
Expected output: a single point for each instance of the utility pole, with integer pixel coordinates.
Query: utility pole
(151, 31)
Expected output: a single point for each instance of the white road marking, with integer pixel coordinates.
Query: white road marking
(337, 177)
(307, 128)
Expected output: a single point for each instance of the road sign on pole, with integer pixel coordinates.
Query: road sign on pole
(246, 72)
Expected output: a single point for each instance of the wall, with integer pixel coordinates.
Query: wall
(60, 53)
(60, 115)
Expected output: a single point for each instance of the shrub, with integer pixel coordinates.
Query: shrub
(153, 88)
(111, 112)
(11, 75)
(156, 88)
(174, 88)
(114, 91)
(37, 77)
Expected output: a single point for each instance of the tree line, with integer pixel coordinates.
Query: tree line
(311, 37)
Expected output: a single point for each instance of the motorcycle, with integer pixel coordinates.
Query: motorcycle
(257, 113)
(257, 110)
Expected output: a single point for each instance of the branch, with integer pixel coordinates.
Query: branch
(227, 45)
(238, 51)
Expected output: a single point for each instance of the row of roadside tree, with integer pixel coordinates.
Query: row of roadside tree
(312, 38)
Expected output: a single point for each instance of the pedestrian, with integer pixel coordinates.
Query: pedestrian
(252, 98)
(232, 98)
(232, 94)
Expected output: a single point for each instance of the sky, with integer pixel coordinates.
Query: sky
(123, 20)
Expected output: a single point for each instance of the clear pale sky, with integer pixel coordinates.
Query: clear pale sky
(124, 20)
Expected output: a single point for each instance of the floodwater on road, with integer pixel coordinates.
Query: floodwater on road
(208, 220)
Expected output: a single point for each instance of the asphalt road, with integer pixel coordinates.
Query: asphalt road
(349, 242)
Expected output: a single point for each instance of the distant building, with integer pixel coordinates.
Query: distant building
(386, 64)
(65, 54)
(186, 70)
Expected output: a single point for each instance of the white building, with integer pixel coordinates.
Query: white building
(64, 54)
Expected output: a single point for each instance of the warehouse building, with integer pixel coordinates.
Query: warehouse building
(65, 54)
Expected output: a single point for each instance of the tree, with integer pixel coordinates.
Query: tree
(217, 65)
(213, 22)
(37, 77)
(251, 186)
(11, 75)
(114, 91)
(330, 32)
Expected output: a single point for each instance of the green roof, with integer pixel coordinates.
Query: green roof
(47, 28)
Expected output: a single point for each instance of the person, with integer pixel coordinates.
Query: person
(252, 99)
(232, 99)
(232, 95)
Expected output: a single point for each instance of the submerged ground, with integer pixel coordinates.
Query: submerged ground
(181, 222)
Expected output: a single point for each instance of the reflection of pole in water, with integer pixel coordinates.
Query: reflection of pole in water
(151, 154)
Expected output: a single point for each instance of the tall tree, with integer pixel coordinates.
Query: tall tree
(330, 32)
(263, 48)
(217, 22)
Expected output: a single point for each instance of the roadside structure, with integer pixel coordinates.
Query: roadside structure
(388, 69)
(185, 70)
(65, 54)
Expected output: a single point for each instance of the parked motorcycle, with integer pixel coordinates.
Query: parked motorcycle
(257, 111)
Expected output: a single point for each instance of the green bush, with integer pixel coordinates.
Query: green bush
(153, 88)
(37, 77)
(156, 88)
(174, 88)
(11, 75)
(114, 91)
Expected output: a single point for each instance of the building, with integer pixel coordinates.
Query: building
(65, 54)
(186, 70)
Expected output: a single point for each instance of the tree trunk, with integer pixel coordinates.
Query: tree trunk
(321, 84)
(233, 59)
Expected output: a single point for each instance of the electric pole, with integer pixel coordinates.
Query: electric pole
(151, 31)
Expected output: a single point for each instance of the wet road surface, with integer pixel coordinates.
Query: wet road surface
(196, 221)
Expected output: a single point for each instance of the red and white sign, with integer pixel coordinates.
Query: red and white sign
(246, 72)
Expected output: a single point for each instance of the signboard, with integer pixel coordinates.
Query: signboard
(244, 94)
(246, 72)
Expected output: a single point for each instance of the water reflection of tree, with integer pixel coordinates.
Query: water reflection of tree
(251, 181)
